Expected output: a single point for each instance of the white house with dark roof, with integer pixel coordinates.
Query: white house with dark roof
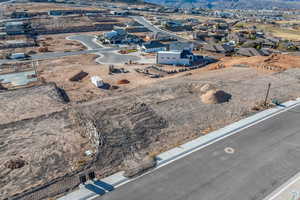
(153, 46)
(184, 57)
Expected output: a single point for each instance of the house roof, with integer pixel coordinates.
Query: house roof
(185, 54)
(218, 48)
(179, 46)
(153, 44)
(14, 23)
(134, 23)
(248, 52)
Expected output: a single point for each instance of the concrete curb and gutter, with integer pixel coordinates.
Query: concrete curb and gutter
(183, 150)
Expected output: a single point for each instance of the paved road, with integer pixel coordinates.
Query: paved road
(108, 53)
(51, 55)
(114, 58)
(264, 157)
(153, 28)
(87, 40)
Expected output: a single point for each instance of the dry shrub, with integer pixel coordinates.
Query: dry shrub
(43, 49)
(15, 163)
(215, 96)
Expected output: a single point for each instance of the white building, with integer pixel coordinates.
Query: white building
(97, 81)
(175, 58)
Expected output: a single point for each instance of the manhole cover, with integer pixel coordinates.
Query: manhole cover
(229, 150)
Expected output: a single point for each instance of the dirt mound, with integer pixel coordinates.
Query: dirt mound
(15, 163)
(123, 81)
(215, 96)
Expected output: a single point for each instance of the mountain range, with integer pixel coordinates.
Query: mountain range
(230, 4)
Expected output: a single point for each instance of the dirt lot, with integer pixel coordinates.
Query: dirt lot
(29, 103)
(49, 146)
(277, 61)
(60, 70)
(136, 119)
(41, 7)
(60, 43)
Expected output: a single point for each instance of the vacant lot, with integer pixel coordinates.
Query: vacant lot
(28, 103)
(129, 123)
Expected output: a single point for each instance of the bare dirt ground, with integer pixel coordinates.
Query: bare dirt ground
(23, 104)
(144, 117)
(54, 43)
(60, 70)
(49, 145)
(60, 43)
(41, 7)
(279, 61)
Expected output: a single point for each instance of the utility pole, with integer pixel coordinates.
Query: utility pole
(267, 95)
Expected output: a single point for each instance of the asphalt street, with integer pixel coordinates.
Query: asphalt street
(153, 28)
(108, 54)
(86, 40)
(246, 166)
(111, 58)
(50, 55)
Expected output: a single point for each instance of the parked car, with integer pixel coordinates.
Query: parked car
(18, 56)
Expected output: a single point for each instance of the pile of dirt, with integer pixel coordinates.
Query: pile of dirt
(123, 81)
(215, 96)
(15, 163)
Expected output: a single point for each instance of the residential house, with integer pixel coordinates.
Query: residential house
(2, 35)
(16, 28)
(236, 37)
(160, 36)
(120, 36)
(200, 35)
(218, 48)
(185, 58)
(19, 15)
(153, 46)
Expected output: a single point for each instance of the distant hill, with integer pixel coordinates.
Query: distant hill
(231, 4)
